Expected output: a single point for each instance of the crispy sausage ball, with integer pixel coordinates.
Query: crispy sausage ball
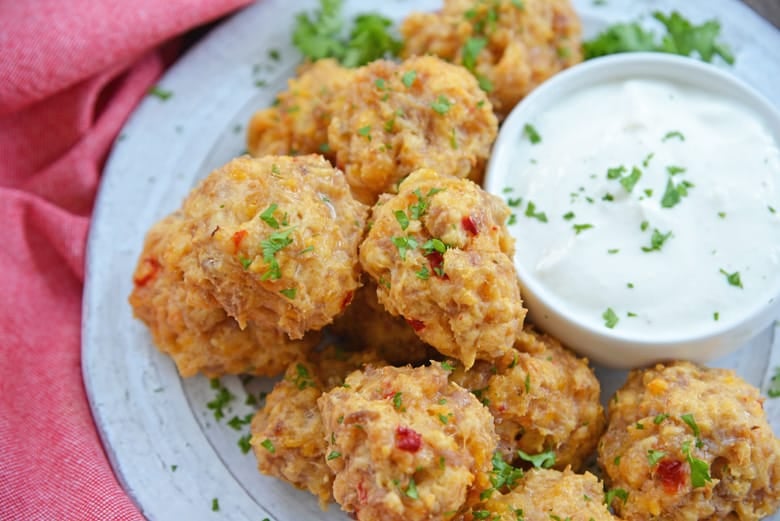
(277, 241)
(510, 46)
(288, 437)
(298, 122)
(442, 257)
(188, 324)
(392, 119)
(366, 323)
(688, 442)
(543, 397)
(410, 444)
(545, 495)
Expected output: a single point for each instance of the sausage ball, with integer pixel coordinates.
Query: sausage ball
(365, 322)
(298, 122)
(543, 398)
(545, 495)
(406, 444)
(511, 47)
(442, 257)
(688, 442)
(188, 324)
(288, 437)
(392, 119)
(276, 241)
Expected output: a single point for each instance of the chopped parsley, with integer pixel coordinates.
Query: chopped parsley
(716, 316)
(733, 278)
(447, 365)
(610, 318)
(333, 455)
(659, 418)
(275, 243)
(419, 208)
(221, 400)
(398, 400)
(423, 273)
(543, 460)
(644, 225)
(411, 490)
(404, 244)
(674, 193)
(672, 135)
(365, 132)
(615, 493)
(657, 241)
(432, 245)
(646, 160)
(578, 228)
(631, 180)
(514, 203)
(402, 219)
(471, 50)
(613, 251)
(503, 474)
(774, 384)
(441, 105)
(268, 216)
(268, 445)
(302, 378)
(289, 292)
(243, 443)
(215, 505)
(408, 78)
(568, 216)
(532, 134)
(700, 470)
(616, 172)
(160, 93)
(654, 456)
(530, 211)
(674, 170)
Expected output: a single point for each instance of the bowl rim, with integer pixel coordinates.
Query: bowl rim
(687, 71)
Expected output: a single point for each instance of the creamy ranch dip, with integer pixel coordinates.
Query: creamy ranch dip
(649, 207)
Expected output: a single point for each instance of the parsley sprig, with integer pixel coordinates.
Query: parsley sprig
(321, 35)
(680, 37)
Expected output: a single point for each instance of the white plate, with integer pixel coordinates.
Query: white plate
(149, 419)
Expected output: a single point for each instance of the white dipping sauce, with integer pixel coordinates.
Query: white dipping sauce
(726, 220)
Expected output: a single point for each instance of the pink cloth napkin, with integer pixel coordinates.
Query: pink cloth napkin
(70, 74)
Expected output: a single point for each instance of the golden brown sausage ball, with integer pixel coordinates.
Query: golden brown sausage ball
(277, 241)
(688, 442)
(547, 495)
(510, 46)
(543, 398)
(298, 122)
(188, 324)
(442, 257)
(406, 444)
(366, 323)
(288, 437)
(392, 119)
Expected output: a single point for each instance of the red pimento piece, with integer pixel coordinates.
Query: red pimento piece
(469, 225)
(347, 300)
(361, 491)
(153, 267)
(437, 264)
(237, 238)
(672, 475)
(407, 439)
(417, 325)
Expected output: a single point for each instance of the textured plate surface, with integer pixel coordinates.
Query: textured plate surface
(168, 451)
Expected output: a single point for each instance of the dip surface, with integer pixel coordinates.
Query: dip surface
(649, 207)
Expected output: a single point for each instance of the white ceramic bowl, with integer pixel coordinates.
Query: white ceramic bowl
(613, 347)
